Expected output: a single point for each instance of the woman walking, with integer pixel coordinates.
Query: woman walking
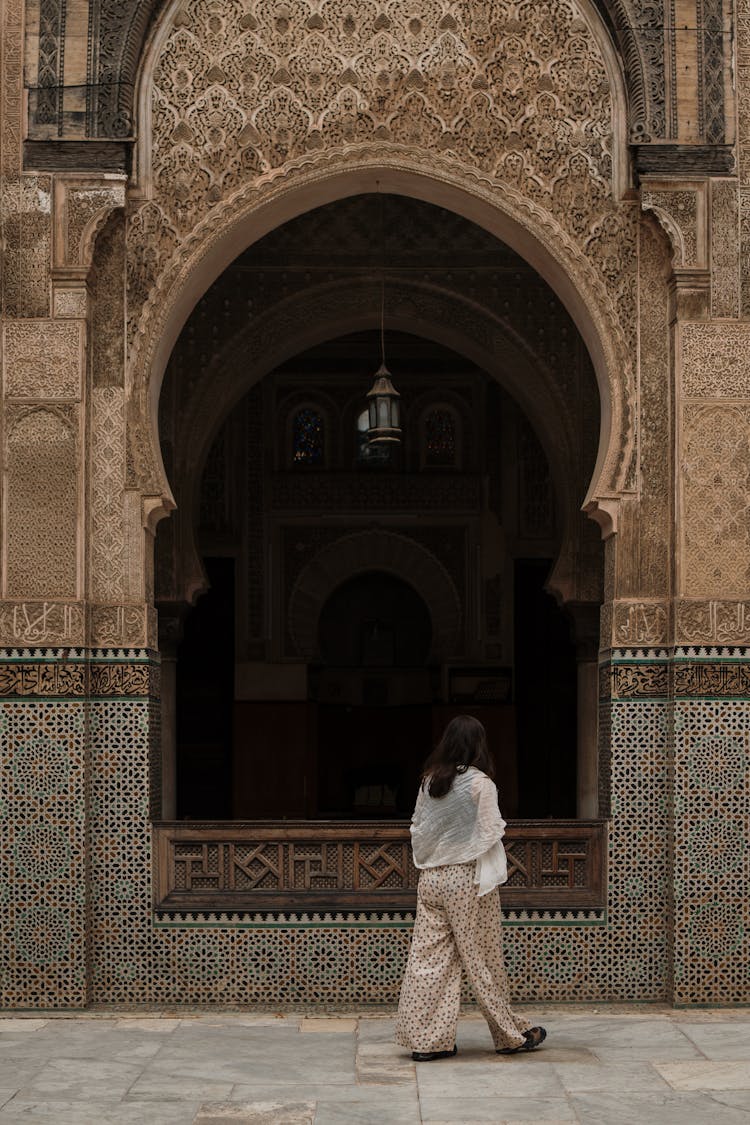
(456, 834)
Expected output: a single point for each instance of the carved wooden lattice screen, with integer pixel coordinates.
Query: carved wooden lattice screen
(314, 866)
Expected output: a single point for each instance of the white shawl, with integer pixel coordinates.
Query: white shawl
(463, 825)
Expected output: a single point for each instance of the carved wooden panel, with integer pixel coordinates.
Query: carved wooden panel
(313, 866)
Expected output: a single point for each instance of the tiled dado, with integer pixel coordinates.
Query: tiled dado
(50, 701)
(80, 732)
(705, 694)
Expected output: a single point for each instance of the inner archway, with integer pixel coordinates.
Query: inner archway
(374, 694)
(477, 511)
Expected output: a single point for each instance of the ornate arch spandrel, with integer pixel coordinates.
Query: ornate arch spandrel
(487, 117)
(523, 226)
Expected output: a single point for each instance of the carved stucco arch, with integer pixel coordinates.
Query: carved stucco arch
(337, 309)
(367, 551)
(562, 211)
(513, 219)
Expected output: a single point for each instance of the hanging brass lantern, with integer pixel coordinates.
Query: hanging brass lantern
(383, 409)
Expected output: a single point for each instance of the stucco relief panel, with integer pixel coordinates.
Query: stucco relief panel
(682, 213)
(743, 104)
(43, 359)
(715, 524)
(106, 492)
(81, 207)
(715, 360)
(42, 502)
(725, 249)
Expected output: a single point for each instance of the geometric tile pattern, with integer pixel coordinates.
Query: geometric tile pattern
(76, 793)
(43, 853)
(712, 858)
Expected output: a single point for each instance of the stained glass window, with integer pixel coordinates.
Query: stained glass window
(440, 437)
(308, 437)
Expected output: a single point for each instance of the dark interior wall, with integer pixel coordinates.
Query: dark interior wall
(205, 691)
(546, 690)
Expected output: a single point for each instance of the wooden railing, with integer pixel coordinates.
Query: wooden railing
(332, 866)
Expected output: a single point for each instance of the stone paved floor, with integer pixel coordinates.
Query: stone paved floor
(600, 1065)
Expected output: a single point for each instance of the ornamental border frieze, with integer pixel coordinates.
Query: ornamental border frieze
(634, 680)
(73, 624)
(720, 679)
(683, 673)
(308, 171)
(77, 674)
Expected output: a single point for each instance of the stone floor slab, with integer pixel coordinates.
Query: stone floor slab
(381, 1098)
(362, 1113)
(20, 1111)
(329, 1026)
(150, 1026)
(458, 1111)
(256, 1113)
(706, 1074)
(719, 1039)
(521, 1076)
(376, 1030)
(9, 1025)
(654, 1109)
(164, 1088)
(636, 1075)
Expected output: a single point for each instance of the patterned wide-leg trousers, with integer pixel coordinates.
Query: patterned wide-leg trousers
(454, 927)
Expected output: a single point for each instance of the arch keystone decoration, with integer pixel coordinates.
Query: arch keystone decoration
(375, 550)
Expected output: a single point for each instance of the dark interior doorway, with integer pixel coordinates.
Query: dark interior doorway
(205, 690)
(545, 665)
(375, 695)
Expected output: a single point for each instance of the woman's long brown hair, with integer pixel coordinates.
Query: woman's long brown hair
(464, 744)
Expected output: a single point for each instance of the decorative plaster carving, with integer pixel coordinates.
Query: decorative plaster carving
(681, 211)
(118, 625)
(82, 207)
(107, 537)
(69, 303)
(41, 623)
(26, 219)
(40, 534)
(711, 110)
(725, 249)
(237, 102)
(715, 360)
(106, 284)
(43, 359)
(715, 524)
(640, 623)
(652, 575)
(713, 622)
(742, 24)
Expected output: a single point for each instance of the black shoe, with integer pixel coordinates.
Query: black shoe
(534, 1037)
(428, 1056)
